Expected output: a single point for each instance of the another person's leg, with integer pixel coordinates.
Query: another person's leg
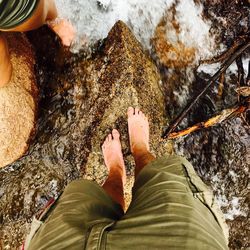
(5, 64)
(138, 127)
(45, 12)
(113, 158)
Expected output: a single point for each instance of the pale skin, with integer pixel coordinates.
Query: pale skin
(138, 127)
(45, 12)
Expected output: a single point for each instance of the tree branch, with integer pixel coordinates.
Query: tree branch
(223, 116)
(188, 107)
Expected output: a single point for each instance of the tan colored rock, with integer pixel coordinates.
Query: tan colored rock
(18, 102)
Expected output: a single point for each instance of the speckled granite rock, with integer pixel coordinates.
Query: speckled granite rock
(119, 77)
(18, 102)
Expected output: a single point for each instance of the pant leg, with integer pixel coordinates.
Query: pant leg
(171, 208)
(83, 205)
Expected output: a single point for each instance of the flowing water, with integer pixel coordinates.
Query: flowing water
(220, 155)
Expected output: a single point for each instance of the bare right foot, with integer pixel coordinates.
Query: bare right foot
(138, 128)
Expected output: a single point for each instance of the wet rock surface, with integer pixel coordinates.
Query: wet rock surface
(18, 102)
(80, 102)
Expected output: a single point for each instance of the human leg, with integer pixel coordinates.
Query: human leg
(113, 158)
(46, 11)
(138, 127)
(169, 210)
(83, 209)
(5, 64)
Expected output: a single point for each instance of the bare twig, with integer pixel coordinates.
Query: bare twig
(221, 86)
(241, 40)
(223, 116)
(222, 69)
(248, 75)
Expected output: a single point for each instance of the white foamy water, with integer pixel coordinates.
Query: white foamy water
(93, 20)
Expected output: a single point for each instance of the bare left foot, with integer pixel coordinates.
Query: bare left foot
(64, 30)
(112, 152)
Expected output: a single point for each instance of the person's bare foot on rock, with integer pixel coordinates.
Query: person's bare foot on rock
(112, 152)
(64, 30)
(138, 128)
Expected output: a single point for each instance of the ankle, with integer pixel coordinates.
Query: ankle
(141, 161)
(140, 150)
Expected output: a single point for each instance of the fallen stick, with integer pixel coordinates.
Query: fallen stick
(222, 69)
(240, 81)
(227, 53)
(248, 75)
(223, 116)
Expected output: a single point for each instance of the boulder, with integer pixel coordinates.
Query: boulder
(18, 102)
(118, 76)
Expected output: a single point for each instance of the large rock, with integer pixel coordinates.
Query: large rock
(18, 102)
(121, 75)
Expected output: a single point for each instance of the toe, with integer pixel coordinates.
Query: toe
(115, 134)
(109, 137)
(106, 140)
(136, 111)
(130, 111)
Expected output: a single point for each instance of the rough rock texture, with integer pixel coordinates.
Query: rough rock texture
(80, 103)
(121, 76)
(18, 102)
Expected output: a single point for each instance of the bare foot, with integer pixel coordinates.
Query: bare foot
(64, 30)
(112, 152)
(138, 128)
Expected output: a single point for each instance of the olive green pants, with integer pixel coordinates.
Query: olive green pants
(15, 12)
(171, 208)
